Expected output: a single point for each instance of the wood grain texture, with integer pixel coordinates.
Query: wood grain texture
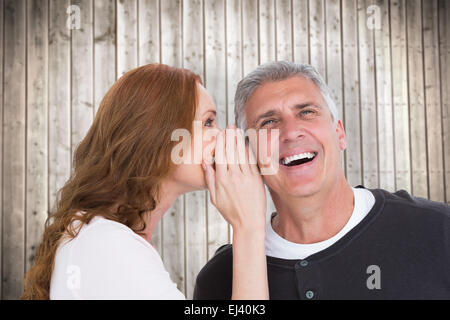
(419, 161)
(444, 50)
(433, 111)
(400, 99)
(386, 63)
(386, 169)
(105, 70)
(37, 126)
(82, 78)
(317, 47)
(234, 53)
(59, 125)
(368, 107)
(351, 97)
(14, 149)
(300, 25)
(1, 139)
(267, 27)
(334, 58)
(284, 30)
(127, 36)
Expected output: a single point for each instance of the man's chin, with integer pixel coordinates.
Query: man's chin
(301, 190)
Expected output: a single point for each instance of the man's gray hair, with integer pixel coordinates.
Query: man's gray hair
(276, 71)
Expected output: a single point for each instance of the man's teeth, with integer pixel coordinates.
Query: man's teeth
(288, 160)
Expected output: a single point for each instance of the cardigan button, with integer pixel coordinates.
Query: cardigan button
(309, 294)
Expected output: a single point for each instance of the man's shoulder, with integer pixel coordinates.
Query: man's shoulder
(214, 280)
(418, 205)
(412, 214)
(221, 261)
(224, 251)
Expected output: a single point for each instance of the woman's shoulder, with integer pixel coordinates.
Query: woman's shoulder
(106, 236)
(113, 262)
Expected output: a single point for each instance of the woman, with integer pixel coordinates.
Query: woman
(97, 244)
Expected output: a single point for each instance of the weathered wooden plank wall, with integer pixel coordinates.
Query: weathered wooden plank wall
(386, 63)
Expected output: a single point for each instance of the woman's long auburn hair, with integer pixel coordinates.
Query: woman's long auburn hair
(119, 165)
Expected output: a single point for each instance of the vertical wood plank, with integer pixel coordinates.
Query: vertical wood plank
(195, 209)
(317, 36)
(334, 53)
(149, 49)
(173, 234)
(368, 98)
(149, 52)
(400, 95)
(215, 81)
(353, 160)
(127, 38)
(416, 99)
(104, 48)
(37, 116)
(250, 44)
(267, 46)
(1, 139)
(301, 31)
(82, 93)
(444, 49)
(234, 57)
(58, 99)
(352, 110)
(14, 146)
(171, 33)
(384, 99)
(333, 57)
(433, 101)
(284, 30)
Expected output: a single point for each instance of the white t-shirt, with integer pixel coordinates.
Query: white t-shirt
(107, 260)
(278, 247)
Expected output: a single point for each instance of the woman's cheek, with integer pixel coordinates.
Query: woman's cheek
(209, 144)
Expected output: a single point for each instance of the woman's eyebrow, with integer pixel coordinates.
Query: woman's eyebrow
(210, 110)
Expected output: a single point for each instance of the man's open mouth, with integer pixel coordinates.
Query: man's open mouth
(298, 159)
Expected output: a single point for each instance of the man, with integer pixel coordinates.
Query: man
(328, 240)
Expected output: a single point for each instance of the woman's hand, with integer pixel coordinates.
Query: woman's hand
(236, 186)
(237, 190)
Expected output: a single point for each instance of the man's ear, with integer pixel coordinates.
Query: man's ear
(341, 135)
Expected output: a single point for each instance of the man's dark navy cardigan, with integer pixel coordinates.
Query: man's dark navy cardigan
(400, 250)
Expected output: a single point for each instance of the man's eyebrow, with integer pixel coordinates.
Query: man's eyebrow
(304, 105)
(271, 113)
(264, 115)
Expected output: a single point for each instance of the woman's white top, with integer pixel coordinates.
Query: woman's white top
(107, 260)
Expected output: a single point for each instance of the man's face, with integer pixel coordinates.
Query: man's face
(309, 141)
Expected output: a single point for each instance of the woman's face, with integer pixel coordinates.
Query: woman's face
(189, 176)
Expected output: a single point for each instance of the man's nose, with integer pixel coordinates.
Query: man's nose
(291, 130)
